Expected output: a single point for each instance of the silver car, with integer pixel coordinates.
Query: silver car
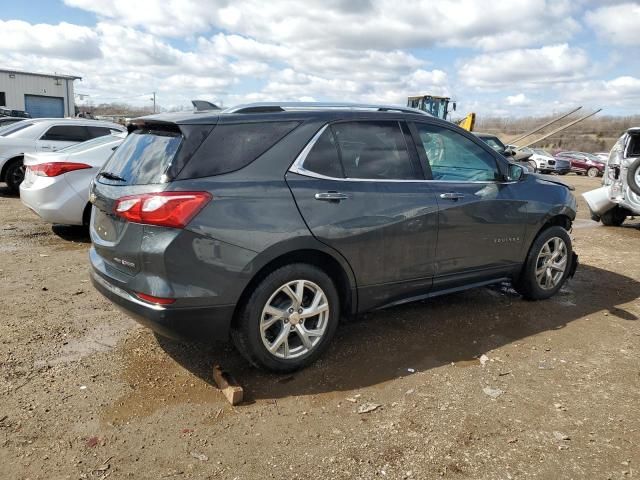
(619, 197)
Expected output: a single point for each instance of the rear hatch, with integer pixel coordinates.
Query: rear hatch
(146, 162)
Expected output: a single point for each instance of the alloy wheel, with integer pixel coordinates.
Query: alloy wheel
(551, 263)
(294, 319)
(17, 175)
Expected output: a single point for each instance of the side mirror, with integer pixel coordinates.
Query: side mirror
(516, 172)
(509, 152)
(454, 106)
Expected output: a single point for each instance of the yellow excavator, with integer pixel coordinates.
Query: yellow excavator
(440, 107)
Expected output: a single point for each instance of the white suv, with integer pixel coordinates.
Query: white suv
(619, 196)
(43, 135)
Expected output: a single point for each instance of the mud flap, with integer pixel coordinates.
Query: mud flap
(574, 265)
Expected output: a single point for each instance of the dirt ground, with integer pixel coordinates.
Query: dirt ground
(86, 393)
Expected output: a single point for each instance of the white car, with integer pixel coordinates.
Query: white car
(56, 185)
(604, 156)
(547, 163)
(43, 135)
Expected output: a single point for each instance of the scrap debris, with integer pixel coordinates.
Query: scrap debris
(228, 385)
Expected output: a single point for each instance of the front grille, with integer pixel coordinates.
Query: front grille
(551, 162)
(562, 163)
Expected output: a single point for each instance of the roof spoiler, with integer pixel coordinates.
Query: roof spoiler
(203, 105)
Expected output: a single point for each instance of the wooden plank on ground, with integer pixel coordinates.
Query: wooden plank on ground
(228, 385)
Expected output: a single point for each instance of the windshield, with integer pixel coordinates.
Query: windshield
(541, 151)
(143, 157)
(494, 143)
(14, 127)
(96, 142)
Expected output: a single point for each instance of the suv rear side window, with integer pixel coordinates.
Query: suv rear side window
(230, 147)
(323, 157)
(374, 150)
(454, 157)
(67, 133)
(143, 157)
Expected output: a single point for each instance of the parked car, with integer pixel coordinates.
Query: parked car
(8, 112)
(43, 135)
(4, 121)
(56, 185)
(546, 163)
(505, 150)
(583, 163)
(273, 221)
(619, 197)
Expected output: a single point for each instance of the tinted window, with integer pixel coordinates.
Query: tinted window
(454, 157)
(96, 142)
(2, 99)
(323, 157)
(95, 132)
(143, 157)
(232, 147)
(375, 150)
(66, 133)
(6, 131)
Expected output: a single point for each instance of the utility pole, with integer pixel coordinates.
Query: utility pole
(154, 102)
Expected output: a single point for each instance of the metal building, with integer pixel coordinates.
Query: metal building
(40, 94)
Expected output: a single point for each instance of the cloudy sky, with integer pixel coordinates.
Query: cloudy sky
(524, 57)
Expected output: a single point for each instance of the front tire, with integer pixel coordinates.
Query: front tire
(593, 172)
(289, 319)
(14, 175)
(547, 265)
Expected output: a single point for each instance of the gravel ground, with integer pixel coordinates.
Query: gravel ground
(479, 384)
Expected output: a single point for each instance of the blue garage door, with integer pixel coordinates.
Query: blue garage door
(39, 106)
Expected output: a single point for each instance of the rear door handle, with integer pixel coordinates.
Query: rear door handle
(331, 196)
(452, 195)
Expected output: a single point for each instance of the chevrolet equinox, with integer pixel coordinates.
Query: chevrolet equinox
(270, 222)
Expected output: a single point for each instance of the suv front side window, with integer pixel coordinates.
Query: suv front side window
(453, 157)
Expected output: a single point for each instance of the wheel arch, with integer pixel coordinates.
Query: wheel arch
(333, 265)
(8, 162)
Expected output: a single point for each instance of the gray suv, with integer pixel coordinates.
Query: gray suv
(271, 222)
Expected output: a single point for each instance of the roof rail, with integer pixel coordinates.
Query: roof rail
(268, 107)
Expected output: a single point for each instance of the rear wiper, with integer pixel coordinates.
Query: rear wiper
(111, 176)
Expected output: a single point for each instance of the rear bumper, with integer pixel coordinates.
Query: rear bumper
(53, 199)
(185, 323)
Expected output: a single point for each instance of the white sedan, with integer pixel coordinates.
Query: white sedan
(56, 185)
(43, 135)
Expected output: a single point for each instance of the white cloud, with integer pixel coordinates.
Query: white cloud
(517, 100)
(362, 24)
(617, 24)
(526, 67)
(60, 41)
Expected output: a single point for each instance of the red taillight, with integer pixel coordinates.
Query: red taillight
(156, 300)
(166, 209)
(53, 169)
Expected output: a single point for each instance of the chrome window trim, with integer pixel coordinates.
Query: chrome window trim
(298, 167)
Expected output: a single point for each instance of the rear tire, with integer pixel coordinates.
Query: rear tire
(614, 217)
(633, 177)
(593, 172)
(276, 331)
(14, 175)
(547, 265)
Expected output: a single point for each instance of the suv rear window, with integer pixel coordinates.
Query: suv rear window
(143, 157)
(230, 147)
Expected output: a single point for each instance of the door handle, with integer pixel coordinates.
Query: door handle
(452, 195)
(331, 196)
